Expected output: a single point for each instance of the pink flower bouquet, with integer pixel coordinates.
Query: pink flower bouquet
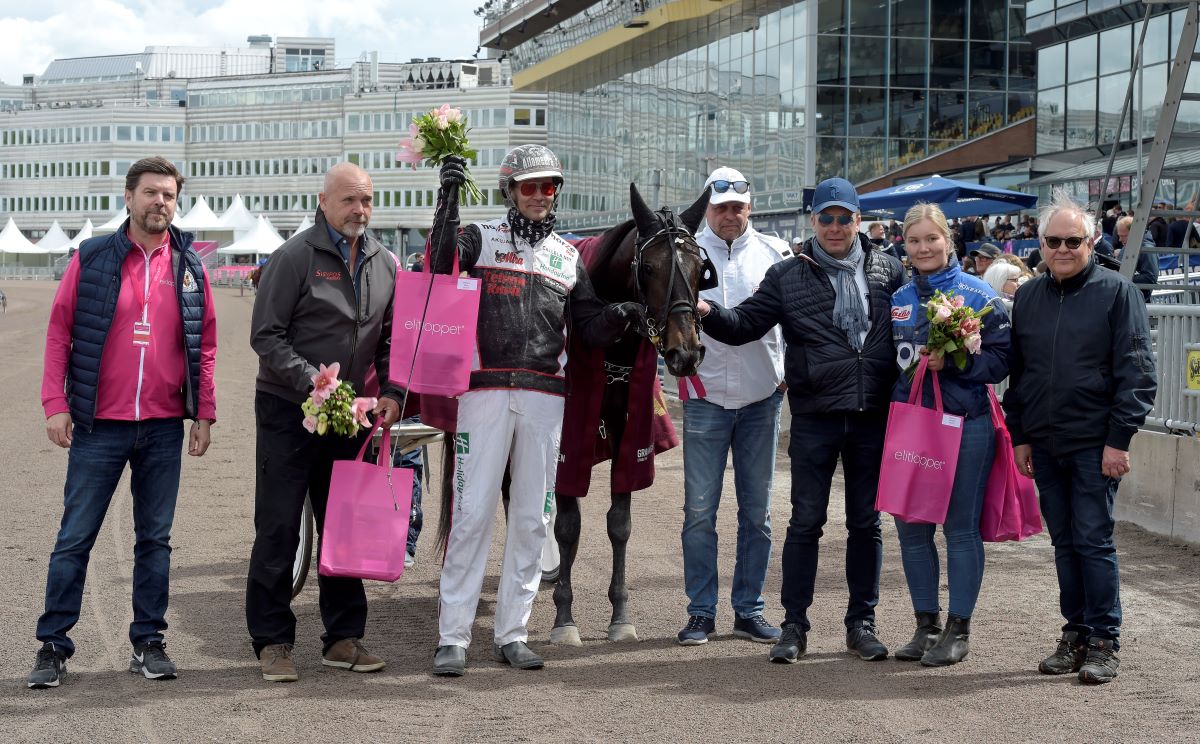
(332, 405)
(435, 136)
(954, 329)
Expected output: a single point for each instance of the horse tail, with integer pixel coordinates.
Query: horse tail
(447, 489)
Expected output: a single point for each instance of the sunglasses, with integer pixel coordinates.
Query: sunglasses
(739, 187)
(548, 188)
(842, 219)
(1073, 242)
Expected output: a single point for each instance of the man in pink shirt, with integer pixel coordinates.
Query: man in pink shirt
(130, 352)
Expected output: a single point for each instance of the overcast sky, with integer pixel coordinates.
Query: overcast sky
(35, 33)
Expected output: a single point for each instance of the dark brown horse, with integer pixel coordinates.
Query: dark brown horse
(655, 261)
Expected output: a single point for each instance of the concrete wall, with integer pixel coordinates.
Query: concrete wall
(1162, 493)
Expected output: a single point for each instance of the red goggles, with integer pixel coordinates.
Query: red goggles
(548, 188)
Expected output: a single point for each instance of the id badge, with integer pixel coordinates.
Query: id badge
(141, 334)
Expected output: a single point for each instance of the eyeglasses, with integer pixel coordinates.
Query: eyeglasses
(1073, 242)
(739, 187)
(548, 188)
(842, 219)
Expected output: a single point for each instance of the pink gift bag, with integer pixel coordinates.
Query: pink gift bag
(1010, 503)
(366, 518)
(433, 331)
(920, 455)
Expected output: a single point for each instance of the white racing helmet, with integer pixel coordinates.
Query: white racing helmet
(526, 162)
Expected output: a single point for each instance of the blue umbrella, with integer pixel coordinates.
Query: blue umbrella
(956, 198)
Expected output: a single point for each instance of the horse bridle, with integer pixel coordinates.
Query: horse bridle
(676, 235)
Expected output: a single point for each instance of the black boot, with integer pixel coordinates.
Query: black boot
(928, 628)
(951, 646)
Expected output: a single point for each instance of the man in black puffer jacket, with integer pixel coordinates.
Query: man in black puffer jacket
(1081, 382)
(833, 301)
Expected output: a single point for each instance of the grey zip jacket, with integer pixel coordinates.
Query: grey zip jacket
(308, 313)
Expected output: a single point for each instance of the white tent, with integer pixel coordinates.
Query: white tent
(304, 223)
(84, 233)
(200, 217)
(114, 223)
(260, 241)
(237, 217)
(12, 241)
(55, 240)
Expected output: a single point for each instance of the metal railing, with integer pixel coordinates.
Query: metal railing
(1177, 355)
(26, 272)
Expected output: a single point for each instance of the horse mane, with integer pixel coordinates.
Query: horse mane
(610, 241)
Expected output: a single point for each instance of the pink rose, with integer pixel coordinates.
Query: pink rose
(957, 300)
(941, 313)
(453, 115)
(969, 326)
(443, 121)
(973, 343)
(310, 423)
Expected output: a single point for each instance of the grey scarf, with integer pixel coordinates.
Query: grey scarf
(848, 311)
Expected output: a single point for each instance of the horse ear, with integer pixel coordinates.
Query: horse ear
(643, 217)
(692, 216)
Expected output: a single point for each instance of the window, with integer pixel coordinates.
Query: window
(521, 117)
(1081, 58)
(1052, 64)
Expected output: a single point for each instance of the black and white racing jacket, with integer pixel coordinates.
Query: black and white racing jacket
(529, 294)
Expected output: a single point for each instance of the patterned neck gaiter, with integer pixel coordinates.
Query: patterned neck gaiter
(527, 229)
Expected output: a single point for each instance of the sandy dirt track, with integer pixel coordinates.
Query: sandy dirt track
(653, 690)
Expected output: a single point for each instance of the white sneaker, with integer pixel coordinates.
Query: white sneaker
(409, 560)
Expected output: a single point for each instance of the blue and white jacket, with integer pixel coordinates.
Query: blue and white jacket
(963, 393)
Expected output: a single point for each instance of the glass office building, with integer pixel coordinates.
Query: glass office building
(1085, 58)
(661, 92)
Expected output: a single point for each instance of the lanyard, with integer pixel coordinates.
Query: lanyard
(153, 278)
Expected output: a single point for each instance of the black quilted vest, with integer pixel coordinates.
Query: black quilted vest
(100, 262)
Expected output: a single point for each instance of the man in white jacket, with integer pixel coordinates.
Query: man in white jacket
(733, 403)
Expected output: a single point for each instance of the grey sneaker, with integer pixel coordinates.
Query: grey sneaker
(151, 661)
(1101, 664)
(48, 669)
(1068, 656)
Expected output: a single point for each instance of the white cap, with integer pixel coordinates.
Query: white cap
(731, 175)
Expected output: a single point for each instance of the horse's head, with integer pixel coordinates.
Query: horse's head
(669, 270)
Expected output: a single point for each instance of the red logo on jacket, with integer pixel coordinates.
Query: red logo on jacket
(331, 275)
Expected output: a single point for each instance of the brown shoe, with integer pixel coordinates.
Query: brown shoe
(349, 653)
(277, 664)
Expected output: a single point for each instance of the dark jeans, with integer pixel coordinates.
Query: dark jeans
(292, 464)
(1077, 503)
(95, 463)
(817, 441)
(412, 461)
(964, 546)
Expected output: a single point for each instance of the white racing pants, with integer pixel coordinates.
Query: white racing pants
(494, 427)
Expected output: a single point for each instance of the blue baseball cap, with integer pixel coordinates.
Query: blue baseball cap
(835, 192)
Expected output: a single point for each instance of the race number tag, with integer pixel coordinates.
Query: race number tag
(141, 334)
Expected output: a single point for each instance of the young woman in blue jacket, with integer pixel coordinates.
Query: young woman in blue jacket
(927, 239)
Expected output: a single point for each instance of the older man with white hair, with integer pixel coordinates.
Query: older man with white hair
(1081, 382)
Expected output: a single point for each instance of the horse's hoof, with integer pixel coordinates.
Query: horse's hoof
(565, 635)
(618, 632)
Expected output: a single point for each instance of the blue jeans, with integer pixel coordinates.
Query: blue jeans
(1077, 503)
(95, 463)
(818, 441)
(709, 431)
(412, 461)
(964, 546)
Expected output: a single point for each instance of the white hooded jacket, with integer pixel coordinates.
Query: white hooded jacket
(735, 377)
